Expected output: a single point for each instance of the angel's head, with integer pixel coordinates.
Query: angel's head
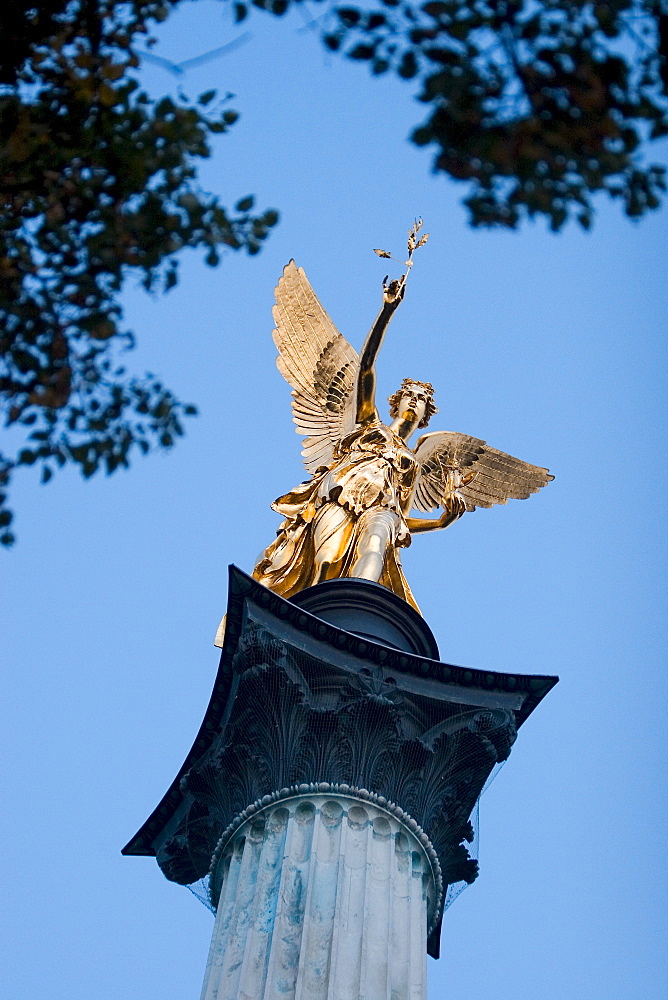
(413, 402)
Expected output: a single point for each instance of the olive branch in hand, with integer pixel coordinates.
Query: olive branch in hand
(413, 244)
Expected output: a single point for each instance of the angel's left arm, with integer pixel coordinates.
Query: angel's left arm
(366, 378)
(453, 503)
(417, 524)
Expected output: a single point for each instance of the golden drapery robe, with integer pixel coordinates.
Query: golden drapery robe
(372, 470)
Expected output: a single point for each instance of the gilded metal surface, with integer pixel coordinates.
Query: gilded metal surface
(353, 515)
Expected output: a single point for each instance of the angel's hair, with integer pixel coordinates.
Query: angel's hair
(427, 390)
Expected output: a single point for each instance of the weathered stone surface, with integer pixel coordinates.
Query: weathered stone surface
(321, 897)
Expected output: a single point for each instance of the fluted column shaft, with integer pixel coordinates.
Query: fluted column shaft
(322, 897)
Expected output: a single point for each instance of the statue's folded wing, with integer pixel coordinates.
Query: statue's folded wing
(319, 364)
(498, 477)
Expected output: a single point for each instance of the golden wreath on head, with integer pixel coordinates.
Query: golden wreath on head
(427, 389)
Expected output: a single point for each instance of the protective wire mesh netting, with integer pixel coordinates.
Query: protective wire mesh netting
(200, 889)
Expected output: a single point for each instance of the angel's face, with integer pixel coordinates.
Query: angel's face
(412, 405)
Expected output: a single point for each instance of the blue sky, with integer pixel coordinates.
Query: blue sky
(549, 347)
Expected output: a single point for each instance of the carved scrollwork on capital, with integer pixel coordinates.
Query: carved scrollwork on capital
(187, 850)
(376, 684)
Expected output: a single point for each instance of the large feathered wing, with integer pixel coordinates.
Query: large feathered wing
(319, 364)
(498, 477)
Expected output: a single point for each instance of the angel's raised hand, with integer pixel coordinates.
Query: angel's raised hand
(393, 292)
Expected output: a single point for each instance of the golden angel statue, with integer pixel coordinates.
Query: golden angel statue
(353, 515)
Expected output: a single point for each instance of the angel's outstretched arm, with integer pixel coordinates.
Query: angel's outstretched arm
(452, 501)
(366, 378)
(417, 524)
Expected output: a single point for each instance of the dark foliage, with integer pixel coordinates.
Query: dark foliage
(537, 105)
(97, 182)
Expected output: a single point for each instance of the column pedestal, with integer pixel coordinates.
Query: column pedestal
(321, 897)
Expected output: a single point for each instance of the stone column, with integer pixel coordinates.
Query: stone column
(321, 897)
